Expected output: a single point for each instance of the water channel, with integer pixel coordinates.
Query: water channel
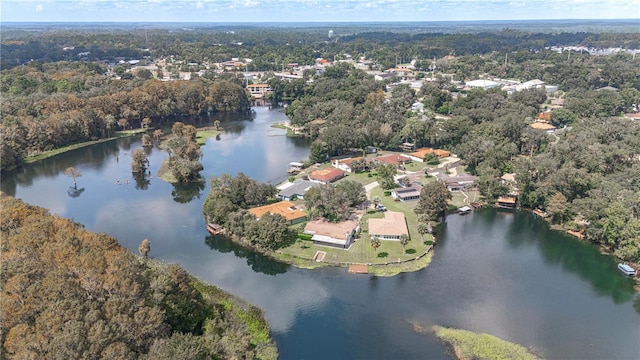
(503, 273)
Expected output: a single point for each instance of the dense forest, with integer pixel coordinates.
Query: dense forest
(68, 293)
(588, 174)
(271, 47)
(48, 106)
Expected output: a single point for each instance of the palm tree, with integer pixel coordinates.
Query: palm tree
(404, 240)
(375, 243)
(376, 201)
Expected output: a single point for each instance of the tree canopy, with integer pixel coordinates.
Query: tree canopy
(68, 293)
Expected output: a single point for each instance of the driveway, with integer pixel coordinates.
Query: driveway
(370, 187)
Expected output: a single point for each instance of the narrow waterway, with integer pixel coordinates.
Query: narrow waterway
(504, 273)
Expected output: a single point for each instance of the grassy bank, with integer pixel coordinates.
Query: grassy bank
(251, 316)
(469, 345)
(50, 153)
(290, 131)
(205, 134)
(234, 311)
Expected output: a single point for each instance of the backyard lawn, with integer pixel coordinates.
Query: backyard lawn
(361, 250)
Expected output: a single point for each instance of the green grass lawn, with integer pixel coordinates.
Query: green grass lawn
(50, 153)
(302, 252)
(290, 131)
(362, 178)
(203, 135)
(416, 166)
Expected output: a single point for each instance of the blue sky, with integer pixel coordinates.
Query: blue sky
(312, 10)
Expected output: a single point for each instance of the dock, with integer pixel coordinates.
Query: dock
(359, 268)
(464, 210)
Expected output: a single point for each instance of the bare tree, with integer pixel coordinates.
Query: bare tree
(73, 173)
(144, 248)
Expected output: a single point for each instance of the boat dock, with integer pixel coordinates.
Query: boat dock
(359, 269)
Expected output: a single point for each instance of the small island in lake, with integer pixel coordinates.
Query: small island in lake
(469, 345)
(374, 214)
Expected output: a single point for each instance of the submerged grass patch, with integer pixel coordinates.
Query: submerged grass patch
(203, 135)
(469, 345)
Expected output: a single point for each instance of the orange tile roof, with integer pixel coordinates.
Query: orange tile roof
(326, 175)
(394, 159)
(542, 126)
(422, 152)
(285, 208)
(545, 116)
(348, 161)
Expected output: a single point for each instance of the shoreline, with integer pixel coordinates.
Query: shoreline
(50, 153)
(383, 269)
(601, 249)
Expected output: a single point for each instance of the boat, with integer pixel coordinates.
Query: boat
(214, 229)
(626, 269)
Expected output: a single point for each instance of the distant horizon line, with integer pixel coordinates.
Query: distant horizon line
(315, 22)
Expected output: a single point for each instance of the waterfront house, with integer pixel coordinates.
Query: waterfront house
(391, 227)
(295, 190)
(506, 202)
(325, 233)
(326, 176)
(259, 90)
(295, 167)
(458, 182)
(287, 209)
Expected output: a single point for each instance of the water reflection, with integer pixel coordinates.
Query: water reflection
(185, 192)
(257, 262)
(585, 261)
(74, 192)
(142, 180)
(572, 255)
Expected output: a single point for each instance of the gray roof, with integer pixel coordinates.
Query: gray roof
(456, 179)
(299, 187)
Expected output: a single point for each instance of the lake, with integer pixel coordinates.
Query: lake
(504, 273)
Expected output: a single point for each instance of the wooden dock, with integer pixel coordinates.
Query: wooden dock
(359, 268)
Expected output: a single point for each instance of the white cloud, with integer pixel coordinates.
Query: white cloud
(315, 10)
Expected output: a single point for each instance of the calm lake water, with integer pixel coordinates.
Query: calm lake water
(503, 273)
